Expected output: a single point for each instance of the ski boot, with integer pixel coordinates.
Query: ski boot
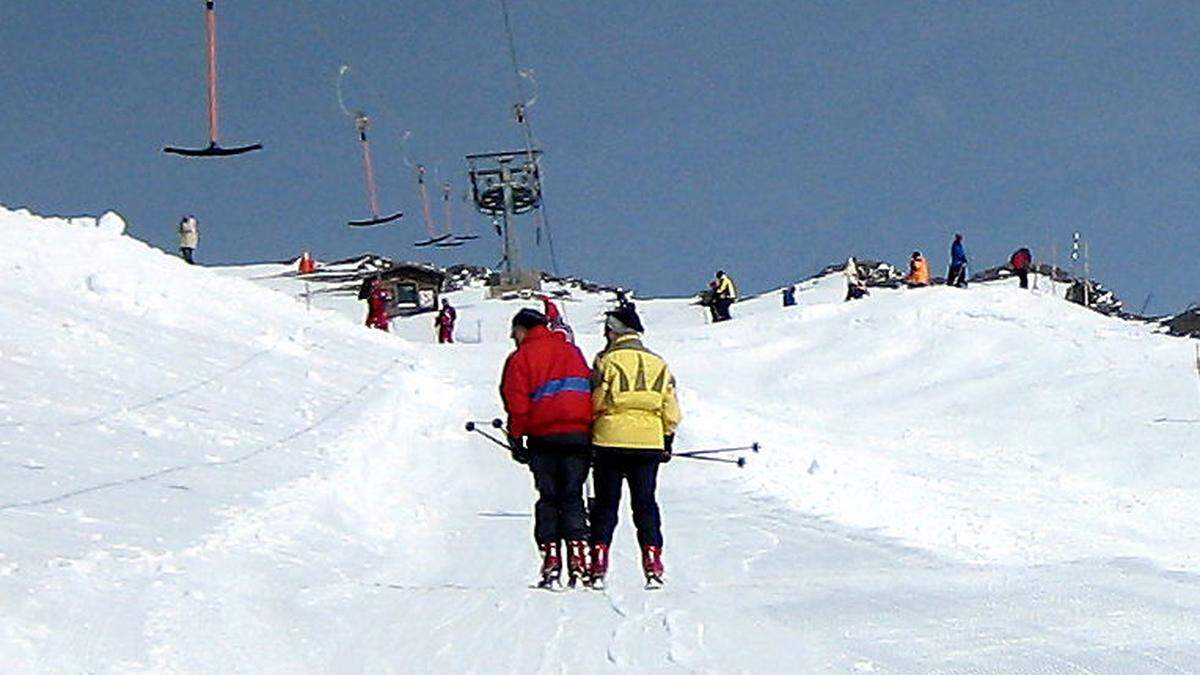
(599, 567)
(652, 566)
(577, 562)
(551, 567)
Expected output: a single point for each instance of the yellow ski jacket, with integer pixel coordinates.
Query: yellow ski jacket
(725, 288)
(633, 397)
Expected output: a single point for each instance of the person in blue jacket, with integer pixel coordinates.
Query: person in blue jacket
(957, 276)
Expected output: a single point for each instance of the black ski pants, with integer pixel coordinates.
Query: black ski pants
(558, 474)
(1023, 275)
(957, 275)
(640, 469)
(722, 306)
(188, 253)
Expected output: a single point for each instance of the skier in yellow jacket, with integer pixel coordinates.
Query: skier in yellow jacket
(723, 296)
(634, 416)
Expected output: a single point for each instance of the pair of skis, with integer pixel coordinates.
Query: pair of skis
(554, 584)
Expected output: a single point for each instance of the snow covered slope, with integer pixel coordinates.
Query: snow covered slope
(200, 475)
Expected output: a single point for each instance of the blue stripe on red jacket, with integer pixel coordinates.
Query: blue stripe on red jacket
(576, 384)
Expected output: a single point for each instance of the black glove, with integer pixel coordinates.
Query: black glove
(519, 454)
(668, 443)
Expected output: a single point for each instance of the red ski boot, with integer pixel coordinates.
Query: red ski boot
(599, 566)
(577, 562)
(653, 567)
(551, 566)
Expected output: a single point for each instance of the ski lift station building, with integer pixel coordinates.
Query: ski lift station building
(416, 288)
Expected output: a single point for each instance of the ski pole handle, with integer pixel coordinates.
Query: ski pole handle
(495, 423)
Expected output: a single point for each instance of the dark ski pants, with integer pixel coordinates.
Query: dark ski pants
(1023, 275)
(608, 470)
(558, 475)
(957, 276)
(721, 306)
(187, 252)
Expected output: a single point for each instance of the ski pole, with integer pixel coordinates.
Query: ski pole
(494, 423)
(740, 461)
(753, 447)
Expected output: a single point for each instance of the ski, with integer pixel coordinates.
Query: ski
(551, 584)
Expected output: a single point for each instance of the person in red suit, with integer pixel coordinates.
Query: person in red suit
(377, 305)
(547, 393)
(444, 322)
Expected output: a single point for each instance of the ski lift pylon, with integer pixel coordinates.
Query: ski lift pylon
(214, 149)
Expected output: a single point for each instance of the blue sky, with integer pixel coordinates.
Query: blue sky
(766, 138)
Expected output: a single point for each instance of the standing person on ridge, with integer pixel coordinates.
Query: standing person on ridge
(957, 276)
(635, 414)
(189, 238)
(726, 293)
(546, 388)
(1020, 262)
(855, 286)
(444, 322)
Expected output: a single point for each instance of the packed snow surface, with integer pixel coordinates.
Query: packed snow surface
(201, 473)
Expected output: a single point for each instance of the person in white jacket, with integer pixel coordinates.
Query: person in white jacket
(856, 286)
(189, 237)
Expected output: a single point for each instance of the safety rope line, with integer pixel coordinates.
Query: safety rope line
(315, 424)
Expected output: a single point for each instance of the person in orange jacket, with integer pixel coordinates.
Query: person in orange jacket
(918, 271)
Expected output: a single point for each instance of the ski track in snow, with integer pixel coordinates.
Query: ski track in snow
(886, 527)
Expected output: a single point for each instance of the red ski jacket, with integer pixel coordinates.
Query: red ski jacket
(546, 387)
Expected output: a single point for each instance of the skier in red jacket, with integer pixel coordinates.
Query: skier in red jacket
(547, 394)
(444, 322)
(377, 305)
(1020, 261)
(555, 320)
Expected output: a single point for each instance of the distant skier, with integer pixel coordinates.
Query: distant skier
(856, 287)
(708, 298)
(622, 297)
(554, 318)
(378, 299)
(635, 416)
(189, 238)
(546, 389)
(957, 276)
(918, 271)
(444, 322)
(725, 295)
(789, 296)
(306, 264)
(1020, 262)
